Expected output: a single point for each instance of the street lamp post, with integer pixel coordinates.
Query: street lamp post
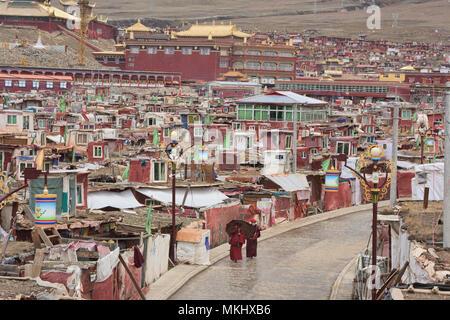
(173, 151)
(370, 163)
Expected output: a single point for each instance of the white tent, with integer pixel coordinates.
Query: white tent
(429, 175)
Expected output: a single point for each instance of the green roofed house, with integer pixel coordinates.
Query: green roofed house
(278, 106)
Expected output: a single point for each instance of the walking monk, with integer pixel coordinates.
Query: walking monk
(236, 242)
(252, 241)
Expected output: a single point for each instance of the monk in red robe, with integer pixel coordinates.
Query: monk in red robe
(236, 242)
(252, 241)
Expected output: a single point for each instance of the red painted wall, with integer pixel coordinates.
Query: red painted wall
(217, 219)
(139, 173)
(340, 199)
(91, 146)
(192, 67)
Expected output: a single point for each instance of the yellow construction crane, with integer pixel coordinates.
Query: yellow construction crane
(83, 4)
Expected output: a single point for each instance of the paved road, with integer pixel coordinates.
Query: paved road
(299, 264)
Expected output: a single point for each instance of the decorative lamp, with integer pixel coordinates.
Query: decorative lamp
(376, 152)
(332, 180)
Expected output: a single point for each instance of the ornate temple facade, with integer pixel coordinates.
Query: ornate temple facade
(203, 52)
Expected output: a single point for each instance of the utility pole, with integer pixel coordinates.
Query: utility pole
(447, 169)
(172, 238)
(393, 194)
(294, 143)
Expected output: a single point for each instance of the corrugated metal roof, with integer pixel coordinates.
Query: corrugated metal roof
(282, 97)
(290, 182)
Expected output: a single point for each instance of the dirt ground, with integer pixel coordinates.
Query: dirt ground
(9, 289)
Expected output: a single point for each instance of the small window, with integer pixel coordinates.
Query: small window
(198, 132)
(12, 119)
(205, 51)
(63, 85)
(22, 84)
(49, 85)
(313, 151)
(303, 154)
(169, 50)
(186, 50)
(134, 50)
(41, 124)
(279, 157)
(35, 84)
(98, 151)
(82, 138)
(288, 142)
(80, 194)
(99, 31)
(159, 171)
(152, 50)
(8, 83)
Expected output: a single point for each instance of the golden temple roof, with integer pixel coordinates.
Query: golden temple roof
(34, 9)
(138, 26)
(200, 30)
(73, 3)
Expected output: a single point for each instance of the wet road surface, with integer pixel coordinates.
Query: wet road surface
(299, 264)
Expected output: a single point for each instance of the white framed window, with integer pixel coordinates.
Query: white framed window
(205, 51)
(313, 151)
(369, 129)
(151, 121)
(134, 49)
(35, 84)
(343, 148)
(406, 114)
(186, 50)
(325, 142)
(12, 119)
(152, 50)
(49, 85)
(169, 50)
(303, 154)
(80, 195)
(253, 52)
(251, 128)
(41, 123)
(22, 84)
(47, 166)
(98, 151)
(288, 142)
(223, 53)
(8, 83)
(166, 132)
(237, 126)
(63, 85)
(270, 53)
(159, 171)
(198, 132)
(82, 138)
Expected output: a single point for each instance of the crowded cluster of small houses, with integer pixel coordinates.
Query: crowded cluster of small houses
(233, 125)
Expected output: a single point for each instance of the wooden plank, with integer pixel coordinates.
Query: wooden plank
(36, 239)
(37, 265)
(44, 237)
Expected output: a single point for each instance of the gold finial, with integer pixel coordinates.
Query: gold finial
(132, 35)
(139, 20)
(214, 22)
(210, 36)
(245, 39)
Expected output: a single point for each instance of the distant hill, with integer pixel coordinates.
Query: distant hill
(417, 19)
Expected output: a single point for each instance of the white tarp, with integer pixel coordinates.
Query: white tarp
(156, 257)
(56, 139)
(290, 182)
(106, 265)
(347, 173)
(118, 200)
(196, 197)
(433, 176)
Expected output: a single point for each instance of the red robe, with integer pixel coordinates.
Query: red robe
(236, 242)
(252, 243)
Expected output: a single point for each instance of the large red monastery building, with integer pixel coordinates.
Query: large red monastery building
(203, 52)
